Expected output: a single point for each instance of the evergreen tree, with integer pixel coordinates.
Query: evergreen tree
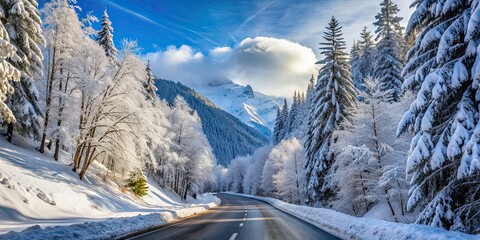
(366, 47)
(355, 63)
(444, 158)
(278, 126)
(333, 97)
(149, 85)
(23, 24)
(137, 183)
(292, 114)
(389, 61)
(105, 36)
(9, 73)
(284, 119)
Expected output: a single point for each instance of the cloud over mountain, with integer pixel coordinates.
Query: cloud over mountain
(270, 65)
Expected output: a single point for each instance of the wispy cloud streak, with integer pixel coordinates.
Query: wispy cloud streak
(252, 17)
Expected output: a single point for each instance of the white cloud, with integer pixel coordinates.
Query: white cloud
(270, 65)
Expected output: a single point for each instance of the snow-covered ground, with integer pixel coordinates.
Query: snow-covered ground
(37, 191)
(349, 227)
(253, 108)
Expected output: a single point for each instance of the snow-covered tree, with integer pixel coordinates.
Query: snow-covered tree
(105, 36)
(278, 126)
(443, 66)
(150, 89)
(110, 131)
(368, 51)
(252, 181)
(389, 60)
(237, 171)
(67, 48)
(293, 119)
(332, 100)
(192, 165)
(288, 181)
(21, 19)
(355, 65)
(369, 165)
(8, 74)
(281, 123)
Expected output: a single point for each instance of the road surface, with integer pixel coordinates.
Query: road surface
(239, 218)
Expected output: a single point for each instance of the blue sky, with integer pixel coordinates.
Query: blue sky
(208, 24)
(215, 36)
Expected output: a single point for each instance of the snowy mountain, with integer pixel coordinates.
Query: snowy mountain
(253, 108)
(228, 136)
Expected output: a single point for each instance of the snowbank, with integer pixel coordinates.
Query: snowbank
(349, 227)
(112, 228)
(37, 191)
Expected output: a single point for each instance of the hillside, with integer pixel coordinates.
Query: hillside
(36, 190)
(228, 136)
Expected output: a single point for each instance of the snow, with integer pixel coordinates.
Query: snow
(36, 190)
(253, 108)
(349, 227)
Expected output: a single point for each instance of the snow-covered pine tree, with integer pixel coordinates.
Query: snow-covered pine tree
(278, 126)
(333, 98)
(281, 123)
(105, 36)
(292, 114)
(355, 66)
(8, 53)
(444, 160)
(389, 60)
(366, 47)
(22, 21)
(151, 90)
(284, 119)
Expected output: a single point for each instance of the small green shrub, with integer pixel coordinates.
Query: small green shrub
(138, 183)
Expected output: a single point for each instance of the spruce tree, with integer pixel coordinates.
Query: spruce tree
(293, 114)
(9, 73)
(366, 46)
(137, 183)
(389, 60)
(149, 85)
(284, 119)
(444, 160)
(105, 36)
(278, 126)
(355, 63)
(23, 23)
(333, 97)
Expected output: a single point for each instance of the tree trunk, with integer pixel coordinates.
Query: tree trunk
(48, 101)
(57, 151)
(85, 162)
(78, 154)
(9, 136)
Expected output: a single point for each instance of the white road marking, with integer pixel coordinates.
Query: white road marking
(241, 224)
(244, 219)
(245, 214)
(233, 236)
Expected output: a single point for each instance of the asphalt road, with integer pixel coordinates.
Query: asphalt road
(239, 218)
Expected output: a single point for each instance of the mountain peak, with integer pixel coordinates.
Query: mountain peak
(248, 92)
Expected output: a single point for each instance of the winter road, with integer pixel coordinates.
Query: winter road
(239, 218)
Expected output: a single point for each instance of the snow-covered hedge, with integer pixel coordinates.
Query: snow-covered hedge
(349, 227)
(113, 228)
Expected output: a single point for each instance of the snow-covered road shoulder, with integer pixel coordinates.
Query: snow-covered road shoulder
(349, 227)
(115, 228)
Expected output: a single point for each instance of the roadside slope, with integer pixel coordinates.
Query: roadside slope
(36, 190)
